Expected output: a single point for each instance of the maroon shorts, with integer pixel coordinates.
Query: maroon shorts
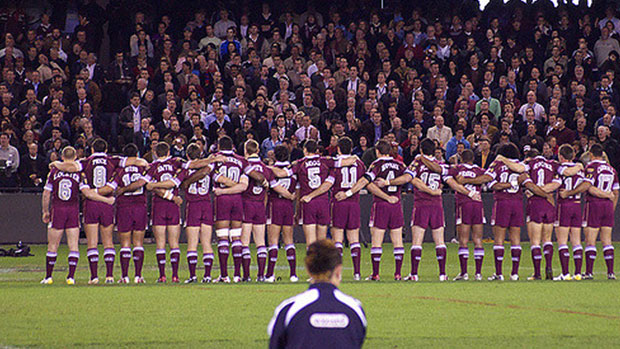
(346, 214)
(198, 213)
(96, 212)
(131, 218)
(599, 214)
(281, 212)
(229, 208)
(165, 213)
(384, 215)
(427, 215)
(569, 214)
(507, 213)
(65, 217)
(470, 213)
(315, 212)
(540, 211)
(254, 212)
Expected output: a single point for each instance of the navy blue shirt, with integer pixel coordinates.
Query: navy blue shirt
(321, 317)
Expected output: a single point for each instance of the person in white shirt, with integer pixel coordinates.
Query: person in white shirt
(440, 132)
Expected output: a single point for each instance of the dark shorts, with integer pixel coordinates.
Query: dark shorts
(96, 212)
(427, 215)
(470, 213)
(254, 212)
(384, 215)
(131, 218)
(540, 211)
(346, 215)
(198, 213)
(569, 214)
(507, 213)
(599, 214)
(315, 212)
(65, 217)
(165, 213)
(229, 208)
(281, 212)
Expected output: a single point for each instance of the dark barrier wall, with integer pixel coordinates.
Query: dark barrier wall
(20, 218)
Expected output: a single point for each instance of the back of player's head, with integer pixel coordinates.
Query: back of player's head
(468, 156)
(311, 146)
(130, 150)
(225, 143)
(596, 150)
(383, 147)
(251, 147)
(193, 151)
(345, 145)
(509, 151)
(69, 153)
(567, 152)
(100, 145)
(162, 149)
(281, 153)
(427, 147)
(532, 153)
(322, 257)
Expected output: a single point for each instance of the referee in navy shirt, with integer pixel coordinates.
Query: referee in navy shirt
(321, 317)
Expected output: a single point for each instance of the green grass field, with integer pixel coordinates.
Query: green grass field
(400, 314)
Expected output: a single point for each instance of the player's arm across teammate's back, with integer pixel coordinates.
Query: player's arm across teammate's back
(236, 189)
(66, 166)
(376, 191)
(420, 185)
(595, 191)
(459, 188)
(551, 187)
(581, 188)
(92, 194)
(322, 189)
(483, 179)
(514, 166)
(200, 163)
(359, 185)
(432, 165)
(569, 171)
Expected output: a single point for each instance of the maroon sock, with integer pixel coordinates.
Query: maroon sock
(222, 254)
(564, 258)
(161, 261)
(339, 247)
(291, 257)
(246, 260)
(93, 260)
(463, 258)
(74, 257)
(548, 252)
(578, 258)
(590, 258)
(478, 258)
(175, 256)
(375, 255)
(207, 261)
(50, 261)
(399, 254)
(261, 260)
(125, 258)
(273, 259)
(192, 261)
(356, 252)
(441, 252)
(608, 254)
(109, 255)
(515, 252)
(138, 260)
(416, 256)
(498, 254)
(536, 258)
(237, 250)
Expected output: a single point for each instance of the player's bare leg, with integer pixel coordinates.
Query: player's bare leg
(441, 252)
(463, 231)
(92, 253)
(591, 235)
(138, 255)
(515, 251)
(174, 233)
(53, 241)
(547, 246)
(534, 231)
(376, 251)
(353, 235)
(417, 237)
(575, 241)
(499, 235)
(193, 234)
(73, 236)
(562, 236)
(222, 231)
(608, 251)
(159, 231)
(258, 233)
(236, 248)
(109, 253)
(310, 233)
(396, 235)
(477, 232)
(206, 232)
(321, 232)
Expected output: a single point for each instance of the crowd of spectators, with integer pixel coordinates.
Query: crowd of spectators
(280, 73)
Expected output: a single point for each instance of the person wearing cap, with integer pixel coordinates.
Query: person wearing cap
(323, 316)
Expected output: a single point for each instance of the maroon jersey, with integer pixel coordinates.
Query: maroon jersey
(162, 170)
(125, 176)
(602, 176)
(386, 168)
(568, 183)
(542, 171)
(466, 171)
(255, 191)
(199, 190)
(289, 183)
(311, 172)
(99, 169)
(65, 188)
(500, 173)
(233, 168)
(417, 169)
(346, 177)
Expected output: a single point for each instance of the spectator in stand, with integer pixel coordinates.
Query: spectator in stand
(9, 163)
